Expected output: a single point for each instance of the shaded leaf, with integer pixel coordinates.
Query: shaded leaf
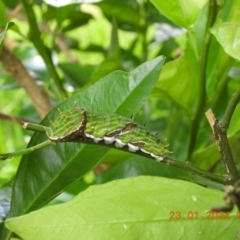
(128, 19)
(3, 15)
(77, 74)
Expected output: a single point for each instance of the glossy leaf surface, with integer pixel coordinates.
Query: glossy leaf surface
(134, 208)
(45, 173)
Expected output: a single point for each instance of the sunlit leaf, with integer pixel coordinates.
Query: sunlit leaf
(228, 35)
(182, 12)
(134, 208)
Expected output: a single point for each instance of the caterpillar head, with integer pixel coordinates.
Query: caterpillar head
(68, 123)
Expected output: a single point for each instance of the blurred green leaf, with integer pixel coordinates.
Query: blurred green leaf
(178, 135)
(76, 20)
(76, 74)
(228, 35)
(112, 62)
(7, 82)
(3, 16)
(134, 208)
(74, 16)
(11, 3)
(178, 81)
(45, 173)
(108, 65)
(124, 11)
(182, 12)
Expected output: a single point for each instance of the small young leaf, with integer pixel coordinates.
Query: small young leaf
(228, 35)
(182, 12)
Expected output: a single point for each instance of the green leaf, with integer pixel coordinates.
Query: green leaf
(112, 62)
(3, 15)
(76, 74)
(182, 12)
(228, 35)
(2, 35)
(130, 17)
(178, 81)
(134, 208)
(45, 173)
(108, 65)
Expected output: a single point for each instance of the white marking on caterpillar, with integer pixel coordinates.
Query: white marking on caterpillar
(96, 140)
(119, 143)
(144, 151)
(132, 148)
(114, 127)
(89, 136)
(109, 140)
(159, 158)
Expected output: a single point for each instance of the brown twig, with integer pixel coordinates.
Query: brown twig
(220, 135)
(14, 66)
(11, 118)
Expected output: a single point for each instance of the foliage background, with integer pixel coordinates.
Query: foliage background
(69, 48)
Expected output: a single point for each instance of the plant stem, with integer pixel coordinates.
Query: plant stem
(212, 13)
(34, 127)
(195, 170)
(14, 66)
(179, 164)
(230, 109)
(143, 8)
(35, 36)
(220, 135)
(12, 118)
(4, 156)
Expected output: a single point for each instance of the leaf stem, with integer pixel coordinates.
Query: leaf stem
(143, 9)
(4, 156)
(35, 36)
(179, 164)
(212, 13)
(195, 170)
(34, 127)
(12, 118)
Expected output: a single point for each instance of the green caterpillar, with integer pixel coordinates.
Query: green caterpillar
(76, 123)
